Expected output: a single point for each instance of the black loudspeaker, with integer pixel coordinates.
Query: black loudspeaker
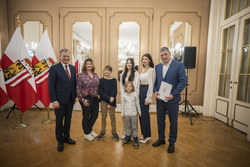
(189, 57)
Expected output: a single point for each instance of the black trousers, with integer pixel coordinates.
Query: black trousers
(89, 114)
(145, 116)
(63, 128)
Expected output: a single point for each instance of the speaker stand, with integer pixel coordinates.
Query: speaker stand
(14, 107)
(11, 110)
(187, 110)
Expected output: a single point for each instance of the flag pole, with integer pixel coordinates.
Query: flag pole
(18, 21)
(21, 125)
(46, 24)
(48, 121)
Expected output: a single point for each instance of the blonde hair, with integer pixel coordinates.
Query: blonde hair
(127, 83)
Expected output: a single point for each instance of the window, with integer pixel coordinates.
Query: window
(226, 60)
(243, 93)
(235, 6)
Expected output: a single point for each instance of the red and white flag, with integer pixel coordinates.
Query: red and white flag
(3, 93)
(18, 74)
(43, 59)
(78, 64)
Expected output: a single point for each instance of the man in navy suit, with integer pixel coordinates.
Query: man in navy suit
(172, 72)
(62, 91)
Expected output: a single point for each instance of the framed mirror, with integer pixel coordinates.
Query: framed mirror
(82, 42)
(180, 36)
(32, 33)
(128, 43)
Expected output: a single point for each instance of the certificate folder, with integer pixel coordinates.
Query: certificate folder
(165, 90)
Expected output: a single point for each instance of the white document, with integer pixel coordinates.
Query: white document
(165, 90)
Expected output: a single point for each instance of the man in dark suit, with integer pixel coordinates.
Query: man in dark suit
(62, 91)
(172, 72)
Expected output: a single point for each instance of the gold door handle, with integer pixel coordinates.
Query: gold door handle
(235, 82)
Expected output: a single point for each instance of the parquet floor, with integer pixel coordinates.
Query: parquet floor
(208, 143)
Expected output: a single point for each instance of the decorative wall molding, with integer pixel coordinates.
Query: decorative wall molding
(96, 16)
(42, 16)
(195, 21)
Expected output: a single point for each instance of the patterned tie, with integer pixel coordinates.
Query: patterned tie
(67, 71)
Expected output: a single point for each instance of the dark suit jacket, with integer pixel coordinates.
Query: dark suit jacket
(175, 76)
(62, 89)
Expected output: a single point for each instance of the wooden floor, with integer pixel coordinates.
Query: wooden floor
(207, 143)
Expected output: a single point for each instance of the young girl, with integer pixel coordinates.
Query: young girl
(128, 75)
(130, 107)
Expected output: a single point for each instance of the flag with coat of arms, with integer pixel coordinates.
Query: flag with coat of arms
(18, 74)
(43, 59)
(3, 93)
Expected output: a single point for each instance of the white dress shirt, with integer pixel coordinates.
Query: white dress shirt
(130, 104)
(65, 68)
(165, 68)
(148, 78)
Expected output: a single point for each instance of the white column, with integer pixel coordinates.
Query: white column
(212, 57)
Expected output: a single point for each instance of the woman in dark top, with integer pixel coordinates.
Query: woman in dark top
(87, 83)
(108, 91)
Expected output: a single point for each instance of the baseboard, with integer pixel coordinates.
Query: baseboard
(152, 108)
(77, 107)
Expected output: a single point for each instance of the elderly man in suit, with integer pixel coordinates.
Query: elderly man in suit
(172, 72)
(62, 91)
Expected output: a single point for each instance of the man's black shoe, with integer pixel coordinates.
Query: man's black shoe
(60, 147)
(69, 140)
(158, 143)
(171, 148)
